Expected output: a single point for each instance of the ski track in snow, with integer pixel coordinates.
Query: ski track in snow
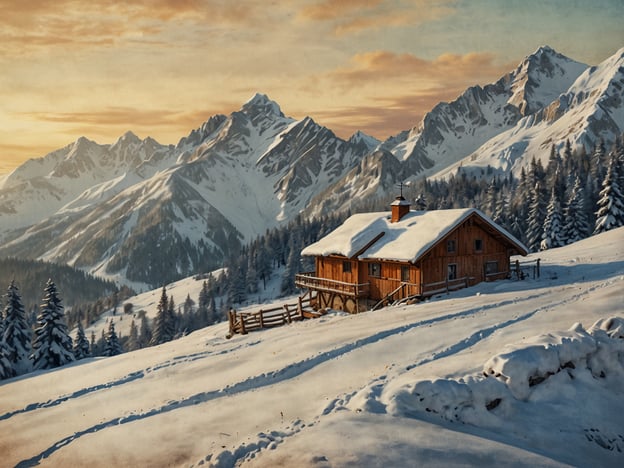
(123, 380)
(291, 371)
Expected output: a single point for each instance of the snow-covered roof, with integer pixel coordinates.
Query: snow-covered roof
(373, 236)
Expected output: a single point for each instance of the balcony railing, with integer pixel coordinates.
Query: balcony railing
(309, 281)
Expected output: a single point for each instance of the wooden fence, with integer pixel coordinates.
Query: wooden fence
(526, 269)
(431, 289)
(244, 322)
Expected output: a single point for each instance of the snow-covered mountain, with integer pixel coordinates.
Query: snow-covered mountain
(457, 133)
(137, 210)
(589, 110)
(507, 373)
(151, 213)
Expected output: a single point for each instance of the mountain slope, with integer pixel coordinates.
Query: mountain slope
(401, 386)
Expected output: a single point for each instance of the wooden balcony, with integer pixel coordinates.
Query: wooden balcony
(309, 281)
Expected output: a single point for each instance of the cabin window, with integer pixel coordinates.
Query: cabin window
(478, 245)
(374, 269)
(450, 246)
(405, 274)
(491, 268)
(346, 267)
(452, 271)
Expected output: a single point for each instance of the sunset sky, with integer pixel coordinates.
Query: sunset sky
(161, 67)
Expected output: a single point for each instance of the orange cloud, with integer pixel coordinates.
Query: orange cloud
(27, 26)
(353, 16)
(446, 70)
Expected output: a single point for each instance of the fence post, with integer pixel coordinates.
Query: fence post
(242, 322)
(261, 318)
(518, 270)
(231, 321)
(538, 267)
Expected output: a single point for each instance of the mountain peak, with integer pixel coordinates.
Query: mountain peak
(261, 104)
(545, 49)
(361, 138)
(128, 137)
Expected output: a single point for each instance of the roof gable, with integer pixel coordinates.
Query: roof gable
(406, 240)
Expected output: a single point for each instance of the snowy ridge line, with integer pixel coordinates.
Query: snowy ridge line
(124, 380)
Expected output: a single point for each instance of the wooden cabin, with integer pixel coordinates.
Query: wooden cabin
(377, 258)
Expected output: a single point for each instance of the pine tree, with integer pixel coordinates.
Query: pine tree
(292, 265)
(172, 320)
(535, 226)
(81, 344)
(17, 333)
(160, 334)
(113, 347)
(52, 345)
(575, 219)
(610, 214)
(145, 333)
(202, 306)
(133, 338)
(213, 315)
(421, 202)
(6, 368)
(552, 236)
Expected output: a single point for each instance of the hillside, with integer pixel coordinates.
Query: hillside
(395, 387)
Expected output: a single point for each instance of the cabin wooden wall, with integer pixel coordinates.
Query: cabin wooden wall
(469, 262)
(390, 279)
(332, 268)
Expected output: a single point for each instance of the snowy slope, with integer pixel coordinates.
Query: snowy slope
(400, 386)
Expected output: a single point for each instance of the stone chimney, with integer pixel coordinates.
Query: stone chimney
(400, 207)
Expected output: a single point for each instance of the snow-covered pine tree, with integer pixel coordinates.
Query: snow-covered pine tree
(81, 344)
(17, 334)
(6, 368)
(421, 202)
(610, 214)
(575, 225)
(52, 345)
(159, 333)
(113, 347)
(552, 236)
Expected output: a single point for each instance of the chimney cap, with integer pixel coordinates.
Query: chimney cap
(400, 201)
